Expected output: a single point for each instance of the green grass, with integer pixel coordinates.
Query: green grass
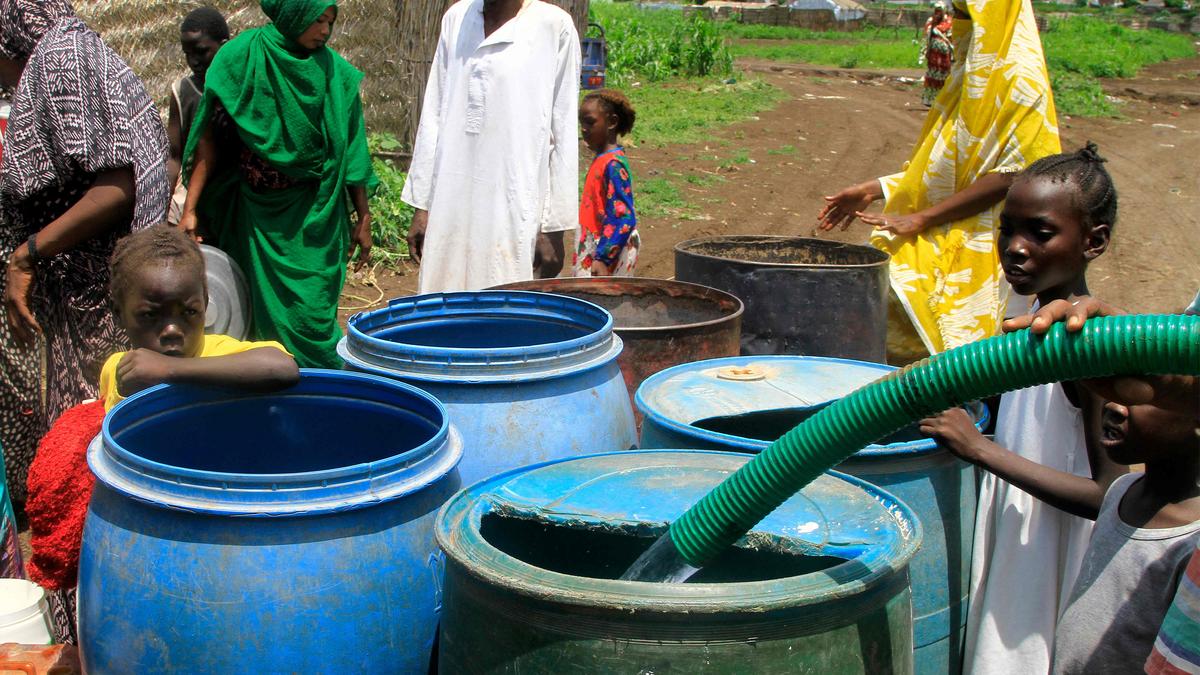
(659, 197)
(884, 53)
(686, 111)
(1079, 49)
(1096, 48)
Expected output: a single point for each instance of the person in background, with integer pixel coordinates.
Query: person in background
(995, 117)
(1058, 217)
(201, 34)
(277, 151)
(84, 164)
(608, 238)
(495, 169)
(937, 52)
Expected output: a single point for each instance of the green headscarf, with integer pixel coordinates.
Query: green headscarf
(283, 97)
(300, 111)
(292, 18)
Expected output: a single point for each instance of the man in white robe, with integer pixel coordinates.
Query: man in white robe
(495, 170)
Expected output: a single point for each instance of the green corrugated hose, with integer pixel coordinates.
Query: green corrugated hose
(1105, 346)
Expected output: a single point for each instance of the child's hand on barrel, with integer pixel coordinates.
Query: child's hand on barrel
(141, 369)
(956, 430)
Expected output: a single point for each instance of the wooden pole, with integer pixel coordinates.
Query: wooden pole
(418, 23)
(578, 9)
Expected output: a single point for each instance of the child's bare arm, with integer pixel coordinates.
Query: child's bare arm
(1064, 491)
(175, 142)
(260, 370)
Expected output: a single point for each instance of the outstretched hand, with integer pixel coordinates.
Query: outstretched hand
(842, 208)
(913, 223)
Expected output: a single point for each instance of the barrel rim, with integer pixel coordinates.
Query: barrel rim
(335, 489)
(683, 248)
(458, 535)
(362, 351)
(650, 415)
(650, 281)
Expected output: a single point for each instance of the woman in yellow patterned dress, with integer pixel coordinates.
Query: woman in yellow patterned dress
(994, 117)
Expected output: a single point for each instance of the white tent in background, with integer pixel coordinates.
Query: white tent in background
(843, 10)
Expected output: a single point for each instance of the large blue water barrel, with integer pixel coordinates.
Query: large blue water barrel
(287, 532)
(525, 377)
(532, 559)
(744, 403)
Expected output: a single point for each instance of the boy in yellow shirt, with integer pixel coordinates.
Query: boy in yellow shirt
(159, 294)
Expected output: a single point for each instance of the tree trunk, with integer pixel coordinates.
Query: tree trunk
(578, 9)
(418, 23)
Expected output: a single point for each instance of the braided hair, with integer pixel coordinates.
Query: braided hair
(616, 103)
(1095, 194)
(207, 21)
(159, 244)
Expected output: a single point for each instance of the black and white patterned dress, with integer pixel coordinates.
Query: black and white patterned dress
(78, 112)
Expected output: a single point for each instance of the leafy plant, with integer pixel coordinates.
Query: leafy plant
(391, 217)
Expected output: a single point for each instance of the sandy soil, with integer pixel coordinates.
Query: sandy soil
(767, 175)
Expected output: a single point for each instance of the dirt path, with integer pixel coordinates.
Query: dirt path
(767, 175)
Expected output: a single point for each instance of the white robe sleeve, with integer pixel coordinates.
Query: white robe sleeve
(560, 210)
(418, 187)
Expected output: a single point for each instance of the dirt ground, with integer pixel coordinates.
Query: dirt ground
(767, 175)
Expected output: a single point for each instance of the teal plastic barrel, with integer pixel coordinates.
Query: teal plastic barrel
(533, 556)
(742, 404)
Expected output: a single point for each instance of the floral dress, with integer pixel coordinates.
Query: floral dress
(938, 53)
(607, 221)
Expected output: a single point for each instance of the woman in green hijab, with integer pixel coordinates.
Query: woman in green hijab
(277, 156)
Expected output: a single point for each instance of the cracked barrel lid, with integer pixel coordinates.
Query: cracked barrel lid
(643, 491)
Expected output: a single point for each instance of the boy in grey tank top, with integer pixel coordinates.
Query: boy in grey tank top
(201, 34)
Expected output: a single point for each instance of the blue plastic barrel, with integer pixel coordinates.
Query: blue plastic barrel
(525, 377)
(287, 532)
(532, 559)
(744, 403)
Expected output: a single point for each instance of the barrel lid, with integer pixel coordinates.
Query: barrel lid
(228, 310)
(679, 397)
(642, 492)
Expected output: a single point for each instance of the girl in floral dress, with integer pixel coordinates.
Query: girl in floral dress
(608, 237)
(937, 52)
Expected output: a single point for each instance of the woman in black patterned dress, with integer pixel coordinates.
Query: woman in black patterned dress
(84, 164)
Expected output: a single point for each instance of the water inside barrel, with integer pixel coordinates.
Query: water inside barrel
(606, 553)
(770, 425)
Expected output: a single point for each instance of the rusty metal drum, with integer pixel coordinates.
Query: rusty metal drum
(662, 323)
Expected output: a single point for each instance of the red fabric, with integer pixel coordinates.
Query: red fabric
(60, 486)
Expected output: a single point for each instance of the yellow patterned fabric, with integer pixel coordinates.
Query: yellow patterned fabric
(995, 114)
